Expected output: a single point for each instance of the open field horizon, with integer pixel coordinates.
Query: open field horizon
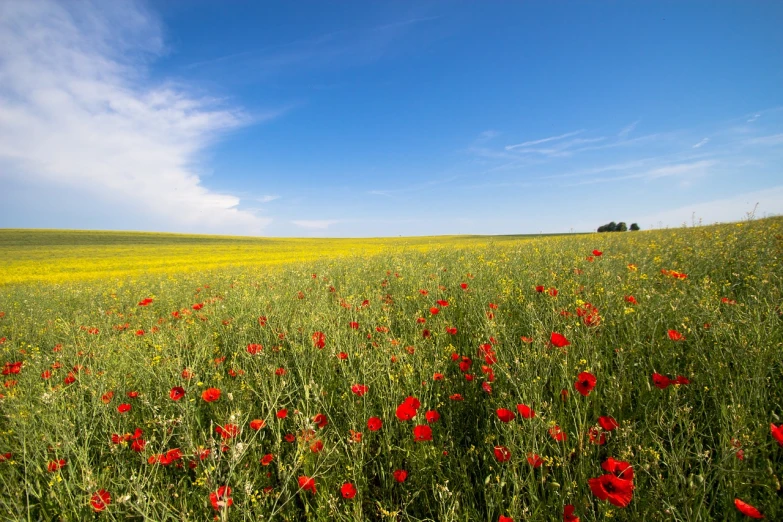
(58, 255)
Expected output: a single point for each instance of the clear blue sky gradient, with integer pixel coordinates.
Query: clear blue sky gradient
(410, 118)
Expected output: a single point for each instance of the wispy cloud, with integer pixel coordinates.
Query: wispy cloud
(352, 46)
(543, 140)
(627, 130)
(701, 143)
(682, 170)
(773, 139)
(754, 117)
(319, 224)
(77, 113)
(267, 198)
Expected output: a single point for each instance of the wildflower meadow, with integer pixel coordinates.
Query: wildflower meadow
(632, 376)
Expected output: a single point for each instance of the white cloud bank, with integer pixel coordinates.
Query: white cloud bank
(76, 116)
(319, 224)
(735, 208)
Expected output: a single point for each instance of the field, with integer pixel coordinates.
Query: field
(623, 376)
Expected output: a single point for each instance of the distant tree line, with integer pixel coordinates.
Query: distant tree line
(617, 227)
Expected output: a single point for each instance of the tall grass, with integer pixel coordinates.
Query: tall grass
(693, 447)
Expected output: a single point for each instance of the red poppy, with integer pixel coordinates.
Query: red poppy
(674, 335)
(359, 389)
(525, 411)
(556, 433)
(558, 340)
(229, 431)
(568, 513)
(132, 394)
(618, 468)
(321, 420)
(726, 300)
(422, 433)
(55, 465)
(505, 415)
(747, 510)
(107, 397)
(400, 475)
(504, 518)
(451, 330)
(597, 253)
(502, 453)
(307, 484)
(198, 306)
(617, 491)
(211, 394)
(660, 381)
(221, 498)
(438, 377)
(405, 412)
(456, 397)
(348, 490)
(534, 460)
(100, 500)
(254, 349)
(176, 393)
(432, 416)
(257, 424)
(354, 325)
(553, 292)
(374, 424)
(138, 445)
(342, 356)
(319, 340)
(681, 379)
(317, 446)
(124, 408)
(267, 459)
(630, 299)
(540, 289)
(585, 382)
(596, 436)
(777, 433)
(146, 301)
(187, 374)
(608, 423)
(46, 374)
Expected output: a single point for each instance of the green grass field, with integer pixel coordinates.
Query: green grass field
(392, 379)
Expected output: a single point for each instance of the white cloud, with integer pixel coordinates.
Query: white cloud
(684, 171)
(543, 140)
(267, 198)
(627, 130)
(77, 113)
(701, 143)
(774, 139)
(735, 208)
(754, 117)
(321, 224)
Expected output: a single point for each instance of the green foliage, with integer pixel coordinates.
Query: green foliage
(634, 227)
(683, 441)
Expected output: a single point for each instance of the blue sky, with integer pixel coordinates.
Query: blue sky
(388, 118)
